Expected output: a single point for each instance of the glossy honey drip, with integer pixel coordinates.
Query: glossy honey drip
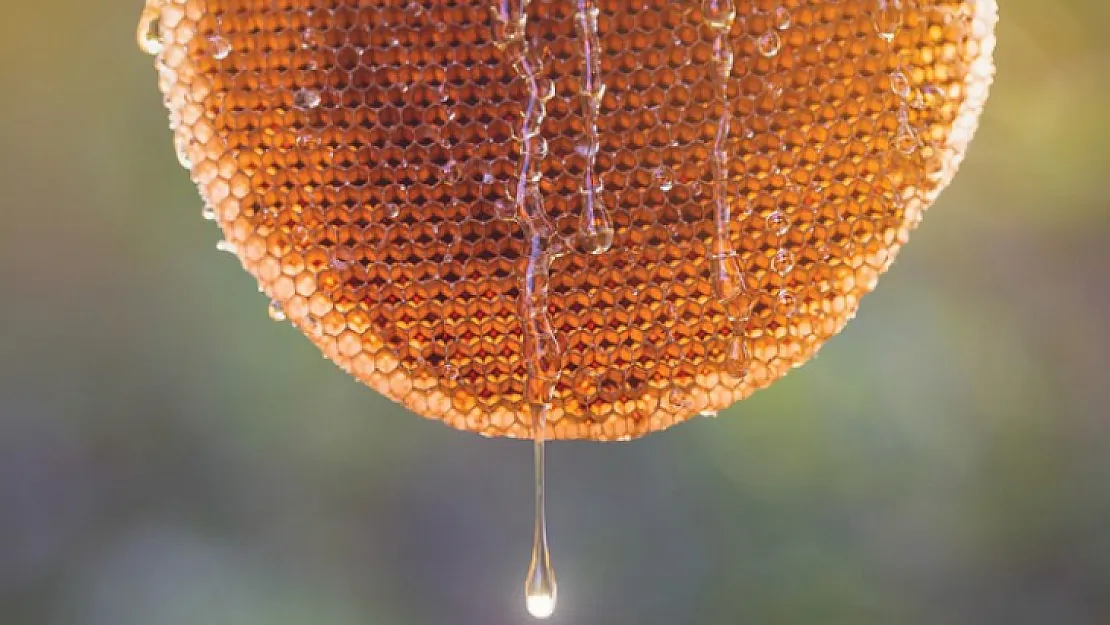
(728, 280)
(540, 587)
(595, 228)
(541, 349)
(510, 19)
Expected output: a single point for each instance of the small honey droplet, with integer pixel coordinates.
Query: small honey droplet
(739, 360)
(933, 95)
(778, 223)
(275, 310)
(906, 140)
(677, 398)
(783, 262)
(786, 304)
(310, 39)
(219, 46)
(149, 33)
(181, 149)
(504, 209)
(452, 173)
(719, 14)
(886, 16)
(312, 326)
(770, 44)
(663, 178)
(450, 372)
(728, 279)
(596, 232)
(597, 240)
(306, 99)
(900, 85)
(783, 19)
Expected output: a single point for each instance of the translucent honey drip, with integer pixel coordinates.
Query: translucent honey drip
(541, 350)
(727, 278)
(887, 17)
(540, 587)
(779, 222)
(595, 227)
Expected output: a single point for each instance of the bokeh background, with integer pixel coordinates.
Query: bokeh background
(169, 456)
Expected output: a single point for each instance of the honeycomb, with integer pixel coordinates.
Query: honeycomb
(634, 211)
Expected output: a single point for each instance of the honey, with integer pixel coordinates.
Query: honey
(630, 212)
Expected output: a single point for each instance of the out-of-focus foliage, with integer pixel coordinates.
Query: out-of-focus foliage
(169, 456)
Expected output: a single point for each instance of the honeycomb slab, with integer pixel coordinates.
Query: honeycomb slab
(706, 194)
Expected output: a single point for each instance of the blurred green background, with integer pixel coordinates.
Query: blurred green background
(168, 456)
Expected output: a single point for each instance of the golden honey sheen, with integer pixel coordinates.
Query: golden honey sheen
(629, 212)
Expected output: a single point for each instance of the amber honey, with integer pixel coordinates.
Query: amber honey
(632, 210)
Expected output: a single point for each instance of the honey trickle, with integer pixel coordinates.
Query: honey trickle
(510, 20)
(727, 278)
(540, 588)
(595, 226)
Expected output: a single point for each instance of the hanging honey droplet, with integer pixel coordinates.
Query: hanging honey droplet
(540, 587)
(770, 44)
(783, 18)
(596, 231)
(663, 178)
(719, 14)
(728, 279)
(149, 33)
(220, 47)
(595, 226)
(886, 15)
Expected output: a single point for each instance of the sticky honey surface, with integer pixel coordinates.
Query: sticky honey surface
(708, 199)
